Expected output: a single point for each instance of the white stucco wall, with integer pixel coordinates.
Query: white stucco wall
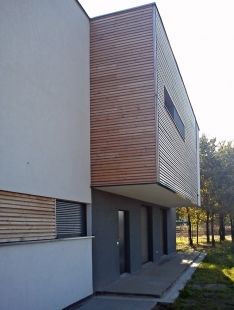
(44, 89)
(48, 275)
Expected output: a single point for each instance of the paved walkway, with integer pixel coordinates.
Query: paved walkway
(155, 282)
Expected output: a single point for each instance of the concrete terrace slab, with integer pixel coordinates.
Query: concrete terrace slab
(115, 303)
(173, 292)
(154, 279)
(175, 271)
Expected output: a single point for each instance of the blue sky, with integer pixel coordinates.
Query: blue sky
(201, 33)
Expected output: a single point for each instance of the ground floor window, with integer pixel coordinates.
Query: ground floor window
(70, 219)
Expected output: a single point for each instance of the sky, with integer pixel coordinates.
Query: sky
(201, 34)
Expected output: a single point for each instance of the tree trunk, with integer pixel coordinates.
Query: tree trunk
(221, 228)
(207, 227)
(190, 231)
(232, 230)
(212, 229)
(197, 233)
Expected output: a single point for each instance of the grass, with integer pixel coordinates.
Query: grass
(202, 246)
(218, 265)
(212, 284)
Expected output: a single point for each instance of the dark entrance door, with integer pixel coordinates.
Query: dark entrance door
(123, 241)
(144, 235)
(164, 231)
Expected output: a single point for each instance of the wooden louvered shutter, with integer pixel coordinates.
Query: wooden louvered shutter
(70, 219)
(26, 217)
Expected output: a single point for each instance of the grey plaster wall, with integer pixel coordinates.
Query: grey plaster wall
(45, 275)
(171, 217)
(105, 208)
(45, 99)
(156, 233)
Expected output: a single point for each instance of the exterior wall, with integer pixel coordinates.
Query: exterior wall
(177, 156)
(171, 238)
(123, 129)
(45, 275)
(105, 229)
(45, 151)
(134, 139)
(45, 99)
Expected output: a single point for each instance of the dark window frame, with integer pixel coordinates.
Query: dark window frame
(71, 222)
(171, 110)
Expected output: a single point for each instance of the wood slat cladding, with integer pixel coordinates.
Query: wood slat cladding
(122, 75)
(26, 217)
(177, 156)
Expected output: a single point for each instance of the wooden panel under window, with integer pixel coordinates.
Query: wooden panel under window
(26, 217)
(123, 128)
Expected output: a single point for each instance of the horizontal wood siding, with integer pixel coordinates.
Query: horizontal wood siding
(123, 147)
(26, 217)
(177, 156)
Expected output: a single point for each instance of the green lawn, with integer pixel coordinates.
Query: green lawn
(212, 284)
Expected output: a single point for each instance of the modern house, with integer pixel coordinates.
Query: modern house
(144, 142)
(99, 145)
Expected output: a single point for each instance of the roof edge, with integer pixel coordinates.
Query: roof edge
(124, 10)
(177, 66)
(135, 8)
(78, 3)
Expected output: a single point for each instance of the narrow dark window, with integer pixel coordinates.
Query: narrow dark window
(173, 113)
(70, 219)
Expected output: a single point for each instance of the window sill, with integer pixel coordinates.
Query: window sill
(45, 241)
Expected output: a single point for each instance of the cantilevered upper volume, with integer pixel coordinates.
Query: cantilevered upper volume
(144, 135)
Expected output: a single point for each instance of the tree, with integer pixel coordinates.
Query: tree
(184, 213)
(197, 217)
(217, 189)
(225, 194)
(208, 165)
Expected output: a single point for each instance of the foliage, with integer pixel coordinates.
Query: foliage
(208, 170)
(197, 214)
(225, 194)
(225, 197)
